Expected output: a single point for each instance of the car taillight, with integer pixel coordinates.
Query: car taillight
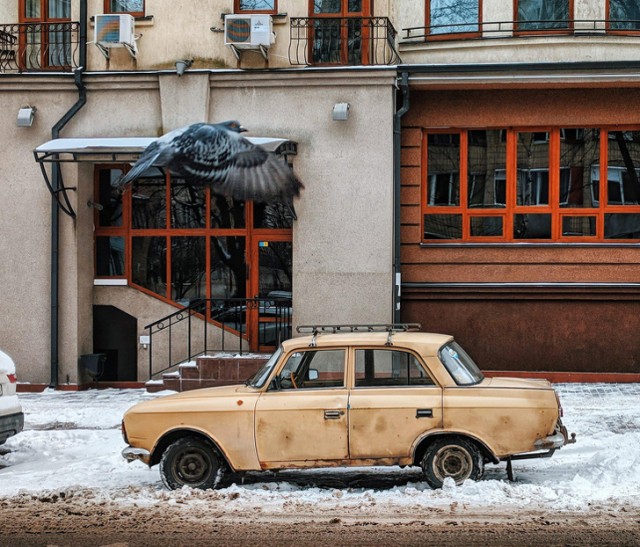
(560, 411)
(12, 378)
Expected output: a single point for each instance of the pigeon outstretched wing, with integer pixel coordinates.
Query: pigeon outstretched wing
(218, 156)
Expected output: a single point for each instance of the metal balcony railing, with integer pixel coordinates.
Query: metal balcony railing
(501, 29)
(36, 47)
(342, 41)
(217, 325)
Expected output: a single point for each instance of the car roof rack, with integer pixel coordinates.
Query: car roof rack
(390, 328)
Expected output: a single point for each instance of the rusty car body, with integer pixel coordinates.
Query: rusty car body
(350, 396)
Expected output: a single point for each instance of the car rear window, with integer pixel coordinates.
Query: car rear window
(461, 367)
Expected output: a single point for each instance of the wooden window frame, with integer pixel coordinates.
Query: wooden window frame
(249, 232)
(511, 209)
(238, 10)
(107, 9)
(44, 15)
(454, 35)
(534, 32)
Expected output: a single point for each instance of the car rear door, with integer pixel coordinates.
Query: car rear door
(393, 401)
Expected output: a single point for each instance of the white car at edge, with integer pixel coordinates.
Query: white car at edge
(11, 415)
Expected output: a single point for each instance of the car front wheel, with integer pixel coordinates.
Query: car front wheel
(190, 462)
(457, 458)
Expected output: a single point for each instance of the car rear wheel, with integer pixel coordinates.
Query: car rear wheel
(190, 462)
(451, 457)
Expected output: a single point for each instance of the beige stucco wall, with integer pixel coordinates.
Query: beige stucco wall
(25, 221)
(180, 30)
(342, 240)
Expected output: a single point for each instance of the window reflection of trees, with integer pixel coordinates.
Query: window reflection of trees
(149, 202)
(187, 205)
(453, 16)
(275, 268)
(543, 14)
(624, 15)
(228, 267)
(188, 269)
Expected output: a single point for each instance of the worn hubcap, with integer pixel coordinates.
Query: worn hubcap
(192, 466)
(452, 461)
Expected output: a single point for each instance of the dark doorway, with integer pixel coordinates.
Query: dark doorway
(114, 334)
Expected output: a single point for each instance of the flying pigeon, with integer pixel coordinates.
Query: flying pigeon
(218, 156)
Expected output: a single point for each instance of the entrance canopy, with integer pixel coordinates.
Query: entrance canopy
(114, 150)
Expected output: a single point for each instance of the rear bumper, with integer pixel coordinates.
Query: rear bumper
(131, 454)
(11, 425)
(546, 446)
(559, 438)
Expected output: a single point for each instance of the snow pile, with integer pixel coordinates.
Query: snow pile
(72, 444)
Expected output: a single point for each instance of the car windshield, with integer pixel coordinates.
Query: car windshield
(260, 377)
(461, 367)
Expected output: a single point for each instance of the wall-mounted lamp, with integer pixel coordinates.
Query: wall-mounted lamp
(145, 340)
(341, 112)
(182, 65)
(26, 115)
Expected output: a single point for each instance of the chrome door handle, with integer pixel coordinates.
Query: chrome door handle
(333, 414)
(424, 413)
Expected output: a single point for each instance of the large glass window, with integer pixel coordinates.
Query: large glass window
(453, 16)
(624, 15)
(534, 15)
(185, 244)
(531, 185)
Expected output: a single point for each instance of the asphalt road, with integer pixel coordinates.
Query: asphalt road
(29, 521)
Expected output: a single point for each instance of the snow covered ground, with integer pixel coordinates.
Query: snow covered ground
(72, 442)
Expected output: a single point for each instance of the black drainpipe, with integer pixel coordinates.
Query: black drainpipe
(403, 85)
(55, 183)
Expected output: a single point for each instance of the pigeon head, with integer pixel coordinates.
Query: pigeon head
(233, 125)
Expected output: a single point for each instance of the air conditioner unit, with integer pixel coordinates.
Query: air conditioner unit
(115, 30)
(252, 31)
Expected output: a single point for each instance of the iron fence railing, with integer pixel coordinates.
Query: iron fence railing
(36, 47)
(493, 29)
(235, 325)
(342, 41)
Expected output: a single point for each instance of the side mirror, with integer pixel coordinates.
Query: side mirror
(312, 374)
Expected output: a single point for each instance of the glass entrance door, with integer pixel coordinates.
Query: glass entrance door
(272, 258)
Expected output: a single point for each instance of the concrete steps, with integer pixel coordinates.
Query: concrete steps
(209, 371)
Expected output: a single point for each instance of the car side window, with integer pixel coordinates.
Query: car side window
(312, 369)
(382, 367)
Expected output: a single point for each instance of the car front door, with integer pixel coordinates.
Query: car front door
(302, 417)
(393, 402)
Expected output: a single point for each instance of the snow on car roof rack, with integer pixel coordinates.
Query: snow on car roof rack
(335, 329)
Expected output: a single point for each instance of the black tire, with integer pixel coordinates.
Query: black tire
(190, 461)
(452, 457)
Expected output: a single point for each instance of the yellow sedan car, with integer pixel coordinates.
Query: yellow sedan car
(370, 395)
